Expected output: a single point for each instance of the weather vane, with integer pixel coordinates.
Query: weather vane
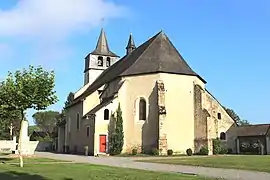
(102, 22)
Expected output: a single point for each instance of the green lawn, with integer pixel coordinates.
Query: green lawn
(248, 162)
(83, 172)
(26, 160)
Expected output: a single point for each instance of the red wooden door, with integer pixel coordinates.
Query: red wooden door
(102, 143)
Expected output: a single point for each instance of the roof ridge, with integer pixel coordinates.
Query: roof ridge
(154, 38)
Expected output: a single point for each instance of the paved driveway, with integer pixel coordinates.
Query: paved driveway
(127, 162)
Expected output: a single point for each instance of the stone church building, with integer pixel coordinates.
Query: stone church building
(165, 104)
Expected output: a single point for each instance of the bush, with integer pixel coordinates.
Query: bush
(223, 150)
(134, 151)
(169, 152)
(218, 148)
(154, 152)
(204, 151)
(189, 152)
(116, 135)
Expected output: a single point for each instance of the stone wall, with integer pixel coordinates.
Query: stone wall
(210, 120)
(162, 116)
(200, 120)
(219, 121)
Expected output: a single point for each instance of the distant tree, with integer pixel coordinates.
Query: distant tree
(116, 139)
(9, 119)
(62, 115)
(26, 89)
(46, 120)
(235, 117)
(69, 99)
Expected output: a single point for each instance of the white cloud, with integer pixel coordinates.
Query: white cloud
(46, 25)
(55, 17)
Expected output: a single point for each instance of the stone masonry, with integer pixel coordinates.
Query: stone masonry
(162, 141)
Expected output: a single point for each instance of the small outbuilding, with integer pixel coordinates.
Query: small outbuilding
(253, 139)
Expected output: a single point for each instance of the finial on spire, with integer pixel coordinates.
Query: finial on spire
(131, 45)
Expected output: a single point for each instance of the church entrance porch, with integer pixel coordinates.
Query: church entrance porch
(102, 143)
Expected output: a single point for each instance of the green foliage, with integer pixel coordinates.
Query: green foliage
(134, 151)
(46, 120)
(189, 152)
(154, 152)
(116, 134)
(69, 99)
(235, 117)
(218, 147)
(169, 152)
(29, 88)
(61, 120)
(42, 139)
(204, 150)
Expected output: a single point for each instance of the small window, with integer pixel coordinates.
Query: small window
(87, 131)
(219, 115)
(78, 121)
(222, 136)
(108, 62)
(106, 114)
(142, 109)
(100, 61)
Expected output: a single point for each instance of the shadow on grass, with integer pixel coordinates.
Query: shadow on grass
(13, 175)
(6, 159)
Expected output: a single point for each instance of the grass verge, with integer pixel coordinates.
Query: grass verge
(248, 162)
(84, 171)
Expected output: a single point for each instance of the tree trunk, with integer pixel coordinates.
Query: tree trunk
(20, 140)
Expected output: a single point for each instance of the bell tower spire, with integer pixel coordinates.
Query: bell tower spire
(99, 59)
(131, 45)
(102, 47)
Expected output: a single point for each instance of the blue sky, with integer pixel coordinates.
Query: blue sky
(226, 42)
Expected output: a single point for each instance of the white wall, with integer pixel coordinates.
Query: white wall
(7, 145)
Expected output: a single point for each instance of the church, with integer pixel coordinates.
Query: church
(165, 104)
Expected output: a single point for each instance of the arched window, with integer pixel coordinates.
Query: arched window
(142, 109)
(108, 62)
(78, 121)
(100, 61)
(222, 136)
(106, 114)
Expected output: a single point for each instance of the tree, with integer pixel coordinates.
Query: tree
(46, 120)
(62, 116)
(235, 117)
(26, 89)
(116, 134)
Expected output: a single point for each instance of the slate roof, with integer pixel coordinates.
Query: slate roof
(253, 130)
(102, 47)
(156, 55)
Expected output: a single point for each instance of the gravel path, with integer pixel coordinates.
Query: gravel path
(126, 162)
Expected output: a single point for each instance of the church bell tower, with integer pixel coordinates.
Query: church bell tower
(98, 60)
